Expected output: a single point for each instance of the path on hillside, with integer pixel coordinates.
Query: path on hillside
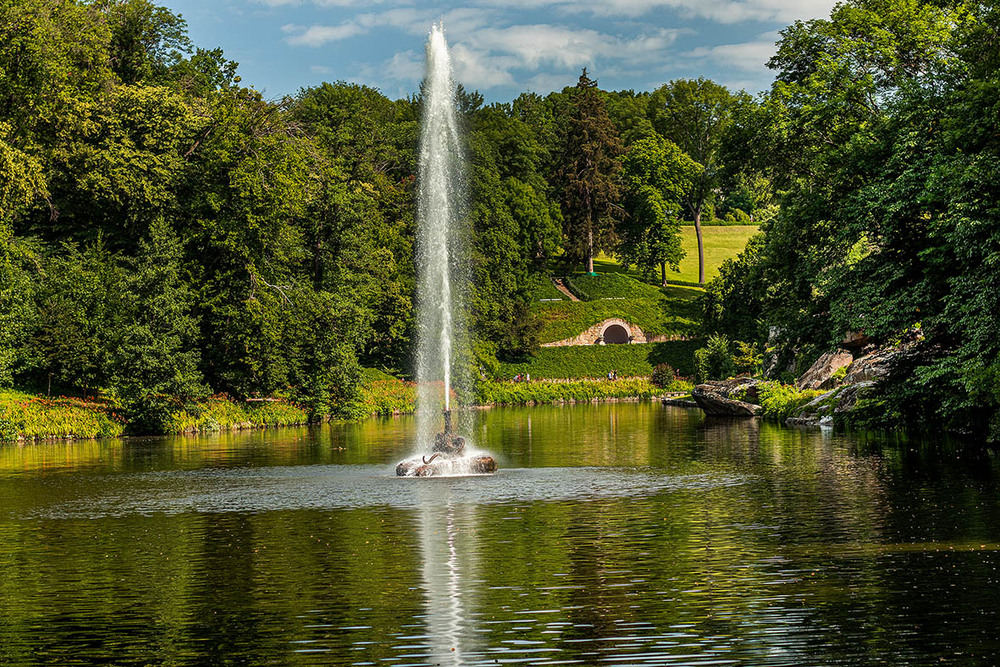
(562, 288)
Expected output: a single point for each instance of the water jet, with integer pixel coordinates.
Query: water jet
(440, 193)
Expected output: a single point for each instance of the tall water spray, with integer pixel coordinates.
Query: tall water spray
(440, 197)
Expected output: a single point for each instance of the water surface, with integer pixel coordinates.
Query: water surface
(629, 534)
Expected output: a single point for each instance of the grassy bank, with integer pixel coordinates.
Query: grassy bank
(528, 393)
(222, 413)
(594, 361)
(28, 417)
(383, 394)
(24, 416)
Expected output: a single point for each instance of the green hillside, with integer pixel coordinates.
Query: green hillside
(673, 311)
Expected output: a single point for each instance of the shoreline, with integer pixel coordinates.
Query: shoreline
(65, 419)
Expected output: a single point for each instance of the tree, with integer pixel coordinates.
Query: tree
(146, 40)
(154, 355)
(588, 175)
(695, 115)
(656, 176)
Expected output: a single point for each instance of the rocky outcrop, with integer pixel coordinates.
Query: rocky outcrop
(821, 410)
(821, 374)
(872, 366)
(848, 397)
(718, 399)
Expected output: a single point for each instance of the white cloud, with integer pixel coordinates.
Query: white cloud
(403, 66)
(747, 56)
(318, 35)
(478, 70)
(407, 19)
(721, 11)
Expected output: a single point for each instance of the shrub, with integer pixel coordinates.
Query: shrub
(27, 416)
(663, 375)
(715, 360)
(780, 401)
(747, 359)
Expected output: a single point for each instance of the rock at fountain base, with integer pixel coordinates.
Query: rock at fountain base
(464, 465)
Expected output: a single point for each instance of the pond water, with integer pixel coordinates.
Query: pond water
(629, 534)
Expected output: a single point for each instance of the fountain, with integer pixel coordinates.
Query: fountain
(440, 193)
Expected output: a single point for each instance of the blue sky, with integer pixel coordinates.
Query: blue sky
(499, 47)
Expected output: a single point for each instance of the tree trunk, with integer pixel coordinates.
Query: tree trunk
(590, 248)
(701, 246)
(663, 274)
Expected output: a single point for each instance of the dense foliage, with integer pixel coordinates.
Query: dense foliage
(883, 131)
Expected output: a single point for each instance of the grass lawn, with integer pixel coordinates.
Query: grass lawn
(721, 243)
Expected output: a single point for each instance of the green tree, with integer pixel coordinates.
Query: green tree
(589, 170)
(154, 353)
(146, 39)
(695, 115)
(78, 313)
(657, 175)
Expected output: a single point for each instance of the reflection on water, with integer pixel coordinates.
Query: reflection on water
(447, 572)
(614, 534)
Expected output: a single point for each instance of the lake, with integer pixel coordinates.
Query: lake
(628, 534)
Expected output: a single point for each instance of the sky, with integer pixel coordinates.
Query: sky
(499, 47)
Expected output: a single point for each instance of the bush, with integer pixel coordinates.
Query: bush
(222, 413)
(715, 360)
(26, 416)
(780, 401)
(663, 375)
(381, 394)
(748, 360)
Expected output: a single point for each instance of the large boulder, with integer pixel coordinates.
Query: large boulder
(820, 374)
(717, 399)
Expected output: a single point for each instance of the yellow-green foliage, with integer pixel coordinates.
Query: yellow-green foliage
(382, 394)
(779, 401)
(221, 413)
(521, 393)
(26, 416)
(594, 361)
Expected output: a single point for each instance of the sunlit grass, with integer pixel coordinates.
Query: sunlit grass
(721, 243)
(28, 417)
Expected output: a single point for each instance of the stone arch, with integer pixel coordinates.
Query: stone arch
(616, 332)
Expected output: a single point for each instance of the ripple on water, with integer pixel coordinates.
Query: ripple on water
(325, 487)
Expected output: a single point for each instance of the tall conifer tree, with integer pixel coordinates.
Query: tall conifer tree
(589, 171)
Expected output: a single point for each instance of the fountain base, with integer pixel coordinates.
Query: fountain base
(461, 465)
(447, 458)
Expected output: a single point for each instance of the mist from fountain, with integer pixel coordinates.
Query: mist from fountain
(440, 197)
